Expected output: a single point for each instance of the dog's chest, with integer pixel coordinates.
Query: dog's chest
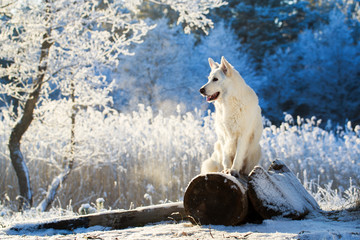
(231, 117)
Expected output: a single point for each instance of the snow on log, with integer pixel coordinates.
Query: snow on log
(216, 198)
(278, 192)
(117, 219)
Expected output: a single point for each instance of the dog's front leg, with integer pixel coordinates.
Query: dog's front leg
(226, 162)
(240, 161)
(228, 154)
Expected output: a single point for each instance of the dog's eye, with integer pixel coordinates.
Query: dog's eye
(215, 79)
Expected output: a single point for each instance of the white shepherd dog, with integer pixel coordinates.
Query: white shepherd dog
(238, 121)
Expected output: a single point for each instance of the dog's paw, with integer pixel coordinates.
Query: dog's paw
(232, 172)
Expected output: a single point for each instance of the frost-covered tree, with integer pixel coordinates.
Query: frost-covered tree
(62, 48)
(157, 75)
(169, 68)
(262, 26)
(351, 10)
(318, 74)
(59, 45)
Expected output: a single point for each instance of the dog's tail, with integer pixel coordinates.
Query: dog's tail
(210, 165)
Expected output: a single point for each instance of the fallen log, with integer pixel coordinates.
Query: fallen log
(216, 198)
(116, 219)
(277, 192)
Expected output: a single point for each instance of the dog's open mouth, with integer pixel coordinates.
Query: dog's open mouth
(213, 97)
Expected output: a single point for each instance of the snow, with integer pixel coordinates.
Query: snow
(270, 194)
(345, 225)
(279, 190)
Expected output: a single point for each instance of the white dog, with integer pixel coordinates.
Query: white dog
(238, 121)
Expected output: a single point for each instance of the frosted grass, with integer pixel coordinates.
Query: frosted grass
(315, 154)
(142, 158)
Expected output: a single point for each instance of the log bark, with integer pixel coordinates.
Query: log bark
(118, 219)
(277, 192)
(216, 198)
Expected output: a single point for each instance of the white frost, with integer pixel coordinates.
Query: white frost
(312, 229)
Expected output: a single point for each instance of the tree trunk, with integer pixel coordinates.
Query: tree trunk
(17, 159)
(217, 198)
(116, 219)
(45, 204)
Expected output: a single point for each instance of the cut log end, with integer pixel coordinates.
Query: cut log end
(216, 198)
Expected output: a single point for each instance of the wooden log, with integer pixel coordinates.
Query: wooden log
(216, 198)
(278, 192)
(118, 219)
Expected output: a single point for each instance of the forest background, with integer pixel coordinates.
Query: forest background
(127, 120)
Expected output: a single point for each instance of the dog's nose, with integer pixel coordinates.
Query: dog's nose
(202, 90)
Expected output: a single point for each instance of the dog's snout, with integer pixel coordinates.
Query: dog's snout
(202, 90)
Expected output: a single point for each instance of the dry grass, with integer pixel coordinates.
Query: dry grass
(122, 157)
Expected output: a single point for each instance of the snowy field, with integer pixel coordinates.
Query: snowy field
(339, 225)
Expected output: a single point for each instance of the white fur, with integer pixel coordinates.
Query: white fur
(238, 121)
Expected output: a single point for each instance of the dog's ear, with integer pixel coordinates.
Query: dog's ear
(225, 67)
(213, 64)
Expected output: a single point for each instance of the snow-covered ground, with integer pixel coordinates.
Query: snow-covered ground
(337, 225)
